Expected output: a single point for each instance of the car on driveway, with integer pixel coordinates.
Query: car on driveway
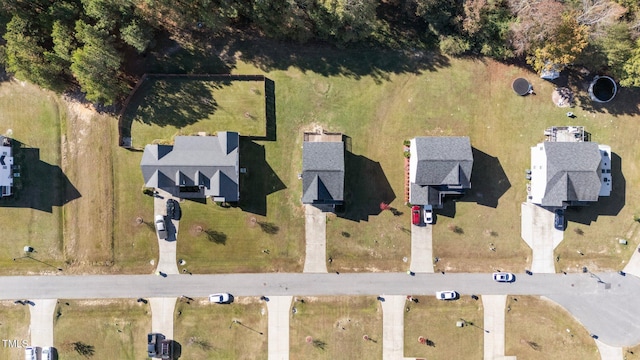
(503, 277)
(161, 227)
(447, 295)
(153, 344)
(171, 208)
(558, 221)
(220, 298)
(428, 214)
(415, 215)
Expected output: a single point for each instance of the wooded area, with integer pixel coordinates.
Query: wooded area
(65, 44)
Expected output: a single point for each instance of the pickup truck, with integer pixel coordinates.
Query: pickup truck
(153, 340)
(166, 349)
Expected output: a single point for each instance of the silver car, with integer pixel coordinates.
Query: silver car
(161, 227)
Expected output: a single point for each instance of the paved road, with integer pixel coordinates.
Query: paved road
(609, 311)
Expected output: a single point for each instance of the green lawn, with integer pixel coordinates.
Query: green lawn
(33, 216)
(435, 321)
(334, 327)
(14, 327)
(537, 329)
(211, 331)
(114, 329)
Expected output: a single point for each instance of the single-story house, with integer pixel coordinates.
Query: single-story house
(566, 170)
(6, 167)
(438, 166)
(195, 167)
(323, 169)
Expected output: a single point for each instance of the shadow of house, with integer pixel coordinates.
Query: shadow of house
(259, 180)
(606, 205)
(366, 186)
(40, 185)
(488, 179)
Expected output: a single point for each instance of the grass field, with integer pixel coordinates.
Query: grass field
(550, 331)
(14, 326)
(333, 328)
(33, 216)
(436, 320)
(208, 331)
(114, 329)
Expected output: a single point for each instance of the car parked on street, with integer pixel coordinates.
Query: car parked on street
(161, 227)
(153, 344)
(220, 298)
(558, 221)
(428, 214)
(503, 277)
(447, 295)
(415, 215)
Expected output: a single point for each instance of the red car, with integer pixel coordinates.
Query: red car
(415, 215)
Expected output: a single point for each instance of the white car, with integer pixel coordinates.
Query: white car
(428, 214)
(220, 298)
(447, 295)
(503, 277)
(47, 353)
(161, 228)
(31, 353)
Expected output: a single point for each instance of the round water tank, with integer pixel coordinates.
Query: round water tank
(602, 89)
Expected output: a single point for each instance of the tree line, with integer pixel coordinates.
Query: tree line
(61, 44)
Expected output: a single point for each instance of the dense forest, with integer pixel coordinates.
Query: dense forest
(90, 44)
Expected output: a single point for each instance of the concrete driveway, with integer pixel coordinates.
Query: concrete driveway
(162, 316)
(421, 249)
(167, 248)
(279, 309)
(316, 239)
(494, 327)
(393, 326)
(542, 237)
(41, 326)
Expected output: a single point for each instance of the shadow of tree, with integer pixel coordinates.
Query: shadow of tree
(488, 180)
(607, 205)
(268, 228)
(178, 102)
(366, 186)
(259, 181)
(41, 186)
(217, 237)
(626, 101)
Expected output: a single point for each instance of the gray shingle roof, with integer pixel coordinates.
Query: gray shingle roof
(443, 161)
(573, 172)
(322, 172)
(207, 161)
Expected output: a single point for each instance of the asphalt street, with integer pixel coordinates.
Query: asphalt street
(604, 303)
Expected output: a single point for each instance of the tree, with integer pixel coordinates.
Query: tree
(96, 64)
(537, 21)
(631, 69)
(25, 56)
(137, 35)
(567, 42)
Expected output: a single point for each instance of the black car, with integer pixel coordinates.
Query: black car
(177, 213)
(558, 222)
(171, 208)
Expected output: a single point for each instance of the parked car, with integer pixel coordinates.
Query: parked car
(31, 353)
(415, 215)
(177, 213)
(166, 349)
(503, 277)
(558, 222)
(161, 228)
(48, 353)
(447, 295)
(220, 298)
(171, 208)
(153, 344)
(428, 214)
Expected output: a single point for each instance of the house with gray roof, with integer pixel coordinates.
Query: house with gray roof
(438, 166)
(566, 170)
(323, 169)
(195, 167)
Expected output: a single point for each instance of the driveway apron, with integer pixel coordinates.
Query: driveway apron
(316, 240)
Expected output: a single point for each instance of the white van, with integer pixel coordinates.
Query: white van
(48, 353)
(31, 353)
